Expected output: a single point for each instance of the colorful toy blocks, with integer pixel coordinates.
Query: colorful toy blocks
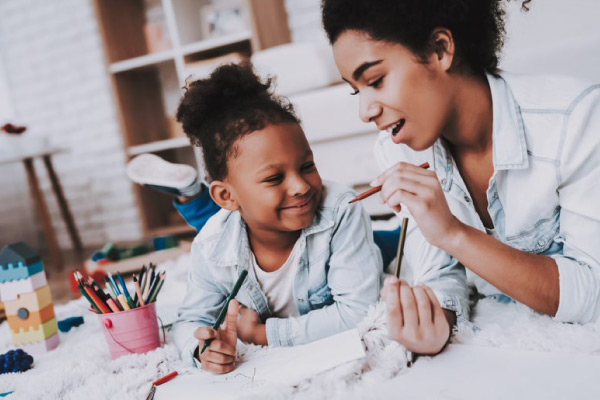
(27, 299)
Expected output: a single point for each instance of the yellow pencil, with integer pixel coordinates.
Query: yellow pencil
(123, 302)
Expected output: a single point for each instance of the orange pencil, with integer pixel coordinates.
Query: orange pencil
(99, 303)
(376, 189)
(112, 305)
(138, 291)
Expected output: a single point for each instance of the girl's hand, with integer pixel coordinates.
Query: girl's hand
(415, 318)
(250, 327)
(420, 190)
(219, 356)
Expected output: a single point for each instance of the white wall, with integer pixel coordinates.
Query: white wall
(51, 52)
(53, 60)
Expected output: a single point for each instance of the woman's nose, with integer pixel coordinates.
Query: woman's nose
(368, 109)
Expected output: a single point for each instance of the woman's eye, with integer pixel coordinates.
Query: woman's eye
(376, 83)
(308, 166)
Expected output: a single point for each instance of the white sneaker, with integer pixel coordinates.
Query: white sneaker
(153, 171)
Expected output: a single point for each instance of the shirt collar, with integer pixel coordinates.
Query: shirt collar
(508, 132)
(232, 247)
(508, 135)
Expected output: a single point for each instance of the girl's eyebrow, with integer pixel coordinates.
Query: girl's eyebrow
(269, 166)
(362, 68)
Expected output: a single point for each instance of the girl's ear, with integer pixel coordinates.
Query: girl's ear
(222, 195)
(443, 46)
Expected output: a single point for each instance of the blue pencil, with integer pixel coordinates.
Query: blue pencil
(125, 291)
(114, 285)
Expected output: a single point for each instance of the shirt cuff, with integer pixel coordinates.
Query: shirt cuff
(579, 291)
(187, 353)
(278, 332)
(456, 304)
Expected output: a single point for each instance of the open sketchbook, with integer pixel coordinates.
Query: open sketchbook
(285, 365)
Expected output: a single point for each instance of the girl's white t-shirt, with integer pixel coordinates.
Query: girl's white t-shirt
(278, 286)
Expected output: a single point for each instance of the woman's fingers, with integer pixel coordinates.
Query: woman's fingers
(424, 306)
(409, 305)
(393, 304)
(399, 167)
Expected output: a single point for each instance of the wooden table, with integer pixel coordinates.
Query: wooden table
(27, 159)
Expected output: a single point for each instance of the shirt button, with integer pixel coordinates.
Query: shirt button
(444, 181)
(467, 199)
(541, 242)
(495, 195)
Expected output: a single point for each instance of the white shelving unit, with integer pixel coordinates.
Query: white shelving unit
(147, 73)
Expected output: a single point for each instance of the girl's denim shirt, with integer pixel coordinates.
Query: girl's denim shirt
(338, 276)
(544, 194)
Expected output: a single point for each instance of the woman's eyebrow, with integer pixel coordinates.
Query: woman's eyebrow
(362, 68)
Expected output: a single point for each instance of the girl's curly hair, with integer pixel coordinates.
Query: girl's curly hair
(477, 25)
(217, 111)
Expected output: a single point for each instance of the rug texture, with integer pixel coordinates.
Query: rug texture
(80, 368)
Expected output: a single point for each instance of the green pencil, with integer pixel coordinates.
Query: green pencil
(223, 312)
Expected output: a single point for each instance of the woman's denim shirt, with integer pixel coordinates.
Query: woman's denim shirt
(544, 194)
(338, 276)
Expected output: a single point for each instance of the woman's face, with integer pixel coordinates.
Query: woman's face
(399, 93)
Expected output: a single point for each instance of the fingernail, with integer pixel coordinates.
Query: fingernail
(374, 182)
(391, 280)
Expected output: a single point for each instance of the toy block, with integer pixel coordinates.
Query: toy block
(25, 319)
(10, 290)
(43, 346)
(19, 261)
(32, 301)
(33, 335)
(14, 271)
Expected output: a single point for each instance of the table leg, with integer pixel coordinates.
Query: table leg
(62, 203)
(38, 197)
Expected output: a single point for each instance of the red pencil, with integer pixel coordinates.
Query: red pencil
(376, 189)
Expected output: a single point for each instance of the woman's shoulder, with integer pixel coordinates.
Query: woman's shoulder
(546, 92)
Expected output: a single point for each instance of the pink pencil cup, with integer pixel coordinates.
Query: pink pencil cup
(132, 331)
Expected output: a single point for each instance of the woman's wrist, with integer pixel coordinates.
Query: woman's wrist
(455, 238)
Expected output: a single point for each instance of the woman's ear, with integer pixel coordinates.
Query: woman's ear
(221, 194)
(443, 46)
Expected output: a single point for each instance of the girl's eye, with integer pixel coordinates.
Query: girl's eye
(274, 179)
(376, 83)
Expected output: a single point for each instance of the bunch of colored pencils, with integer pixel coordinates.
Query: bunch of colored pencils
(116, 298)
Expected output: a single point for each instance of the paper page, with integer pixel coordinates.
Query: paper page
(285, 365)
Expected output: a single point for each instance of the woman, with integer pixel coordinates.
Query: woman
(515, 180)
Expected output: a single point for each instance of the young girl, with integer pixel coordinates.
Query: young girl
(313, 268)
(514, 186)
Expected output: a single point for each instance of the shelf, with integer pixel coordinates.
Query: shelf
(171, 230)
(159, 145)
(140, 62)
(215, 43)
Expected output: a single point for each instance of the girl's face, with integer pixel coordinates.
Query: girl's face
(274, 179)
(399, 93)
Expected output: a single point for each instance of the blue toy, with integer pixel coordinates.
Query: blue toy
(66, 324)
(15, 361)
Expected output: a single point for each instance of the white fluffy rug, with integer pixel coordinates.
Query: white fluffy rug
(80, 368)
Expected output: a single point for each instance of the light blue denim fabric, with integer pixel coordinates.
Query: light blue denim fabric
(338, 275)
(544, 193)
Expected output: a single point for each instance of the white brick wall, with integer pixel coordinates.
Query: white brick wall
(54, 62)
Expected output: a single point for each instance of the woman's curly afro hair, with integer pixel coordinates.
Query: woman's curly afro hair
(217, 111)
(477, 25)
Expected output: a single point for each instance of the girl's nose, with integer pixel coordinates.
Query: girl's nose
(298, 186)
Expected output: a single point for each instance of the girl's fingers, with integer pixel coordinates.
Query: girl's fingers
(205, 333)
(218, 358)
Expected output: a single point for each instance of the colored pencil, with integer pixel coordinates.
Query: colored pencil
(125, 291)
(114, 285)
(223, 313)
(400, 251)
(160, 285)
(377, 189)
(96, 300)
(113, 306)
(138, 292)
(123, 302)
(153, 285)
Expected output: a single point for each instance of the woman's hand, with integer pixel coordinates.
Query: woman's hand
(415, 318)
(420, 190)
(219, 356)
(250, 327)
